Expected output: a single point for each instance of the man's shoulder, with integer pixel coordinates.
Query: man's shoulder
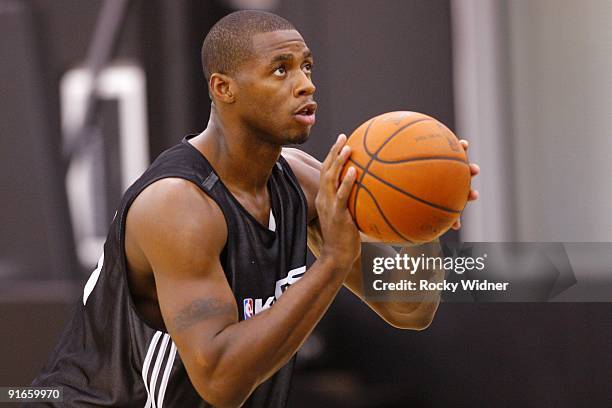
(178, 207)
(307, 170)
(299, 158)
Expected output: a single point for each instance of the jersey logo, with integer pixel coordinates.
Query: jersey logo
(248, 308)
(280, 287)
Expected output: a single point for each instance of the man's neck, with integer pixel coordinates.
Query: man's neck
(242, 161)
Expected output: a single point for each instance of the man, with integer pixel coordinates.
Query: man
(185, 307)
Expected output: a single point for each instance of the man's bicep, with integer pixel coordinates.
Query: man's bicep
(182, 232)
(196, 304)
(195, 308)
(193, 294)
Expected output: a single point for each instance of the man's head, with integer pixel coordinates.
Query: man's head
(258, 70)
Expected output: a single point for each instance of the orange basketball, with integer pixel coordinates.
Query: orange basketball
(413, 177)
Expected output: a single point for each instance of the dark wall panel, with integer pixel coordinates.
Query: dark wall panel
(373, 57)
(36, 235)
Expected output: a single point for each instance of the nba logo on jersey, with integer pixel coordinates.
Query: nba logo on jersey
(248, 308)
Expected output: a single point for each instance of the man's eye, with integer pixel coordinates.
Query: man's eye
(280, 71)
(307, 68)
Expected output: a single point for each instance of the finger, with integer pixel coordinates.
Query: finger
(474, 169)
(330, 155)
(465, 144)
(473, 195)
(338, 164)
(333, 152)
(345, 186)
(456, 225)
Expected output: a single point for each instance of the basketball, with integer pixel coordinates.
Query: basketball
(413, 177)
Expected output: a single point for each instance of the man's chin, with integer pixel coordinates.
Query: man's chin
(299, 138)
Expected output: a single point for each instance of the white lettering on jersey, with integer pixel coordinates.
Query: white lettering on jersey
(259, 305)
(281, 286)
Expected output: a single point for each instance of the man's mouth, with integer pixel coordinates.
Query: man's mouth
(306, 114)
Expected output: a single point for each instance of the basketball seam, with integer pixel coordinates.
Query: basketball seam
(441, 158)
(361, 177)
(357, 190)
(406, 126)
(374, 156)
(384, 217)
(385, 182)
(379, 160)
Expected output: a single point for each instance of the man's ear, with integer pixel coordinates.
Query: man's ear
(222, 88)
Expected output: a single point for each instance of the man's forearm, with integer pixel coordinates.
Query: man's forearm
(415, 312)
(250, 351)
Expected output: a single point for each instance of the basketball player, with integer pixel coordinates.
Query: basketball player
(184, 308)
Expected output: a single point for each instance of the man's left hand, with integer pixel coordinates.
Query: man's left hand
(474, 170)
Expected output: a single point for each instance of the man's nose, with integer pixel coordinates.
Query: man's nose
(304, 86)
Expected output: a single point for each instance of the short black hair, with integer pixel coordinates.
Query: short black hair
(228, 43)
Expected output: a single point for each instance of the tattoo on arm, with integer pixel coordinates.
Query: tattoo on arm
(201, 309)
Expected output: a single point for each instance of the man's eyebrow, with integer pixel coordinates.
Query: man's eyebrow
(289, 57)
(282, 58)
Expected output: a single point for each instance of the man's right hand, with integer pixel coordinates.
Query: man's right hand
(341, 242)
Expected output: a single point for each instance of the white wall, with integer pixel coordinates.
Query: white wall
(561, 75)
(533, 81)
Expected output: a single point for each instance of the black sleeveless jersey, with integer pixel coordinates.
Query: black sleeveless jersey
(108, 356)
